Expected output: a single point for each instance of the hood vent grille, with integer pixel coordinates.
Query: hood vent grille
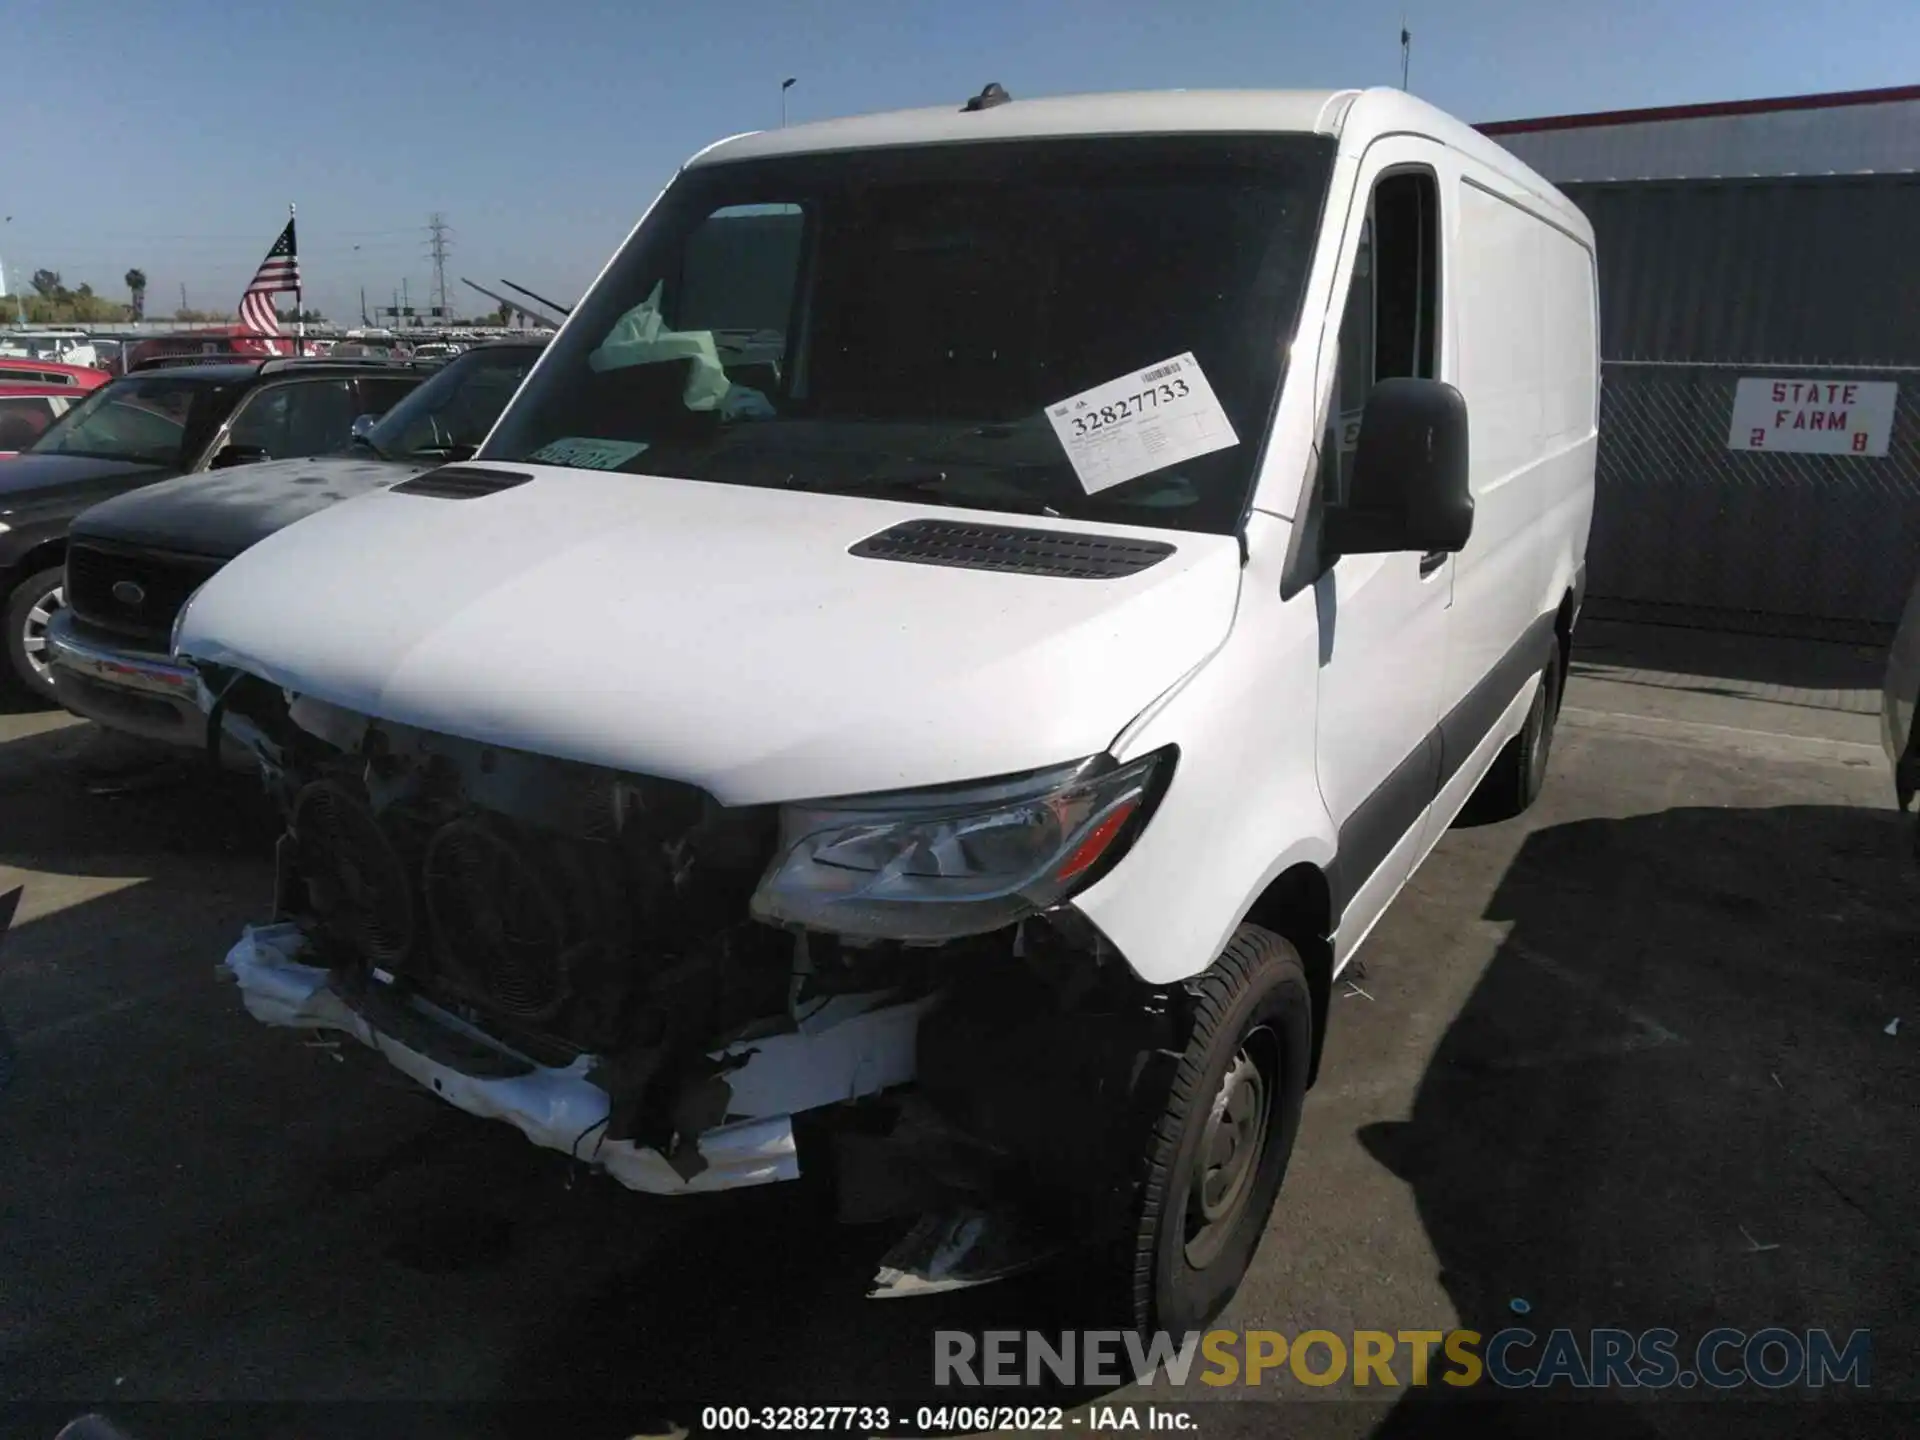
(457, 482)
(1012, 548)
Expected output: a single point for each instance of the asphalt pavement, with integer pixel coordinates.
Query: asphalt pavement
(1625, 1061)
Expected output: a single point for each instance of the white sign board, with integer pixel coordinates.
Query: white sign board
(1145, 421)
(1813, 417)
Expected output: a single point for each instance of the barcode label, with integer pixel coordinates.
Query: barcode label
(1144, 421)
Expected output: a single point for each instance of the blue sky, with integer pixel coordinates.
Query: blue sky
(171, 134)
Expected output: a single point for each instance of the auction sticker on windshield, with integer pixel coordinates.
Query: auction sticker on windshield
(585, 453)
(1146, 421)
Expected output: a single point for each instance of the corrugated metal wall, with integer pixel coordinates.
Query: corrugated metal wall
(1788, 270)
(1703, 282)
(1794, 139)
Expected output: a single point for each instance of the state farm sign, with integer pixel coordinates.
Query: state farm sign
(1813, 417)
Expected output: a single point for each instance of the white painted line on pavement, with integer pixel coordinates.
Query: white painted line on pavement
(1725, 737)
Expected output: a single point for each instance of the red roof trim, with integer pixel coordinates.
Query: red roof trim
(1832, 101)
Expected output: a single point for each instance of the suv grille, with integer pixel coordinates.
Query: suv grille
(1013, 548)
(133, 592)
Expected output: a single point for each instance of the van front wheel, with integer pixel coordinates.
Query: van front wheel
(1218, 1151)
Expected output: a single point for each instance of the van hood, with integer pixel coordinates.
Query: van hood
(219, 513)
(720, 635)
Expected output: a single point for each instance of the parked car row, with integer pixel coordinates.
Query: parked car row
(132, 561)
(198, 419)
(932, 674)
(69, 347)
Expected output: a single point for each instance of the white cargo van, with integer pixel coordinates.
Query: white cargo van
(953, 647)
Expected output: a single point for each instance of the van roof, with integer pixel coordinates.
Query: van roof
(1355, 117)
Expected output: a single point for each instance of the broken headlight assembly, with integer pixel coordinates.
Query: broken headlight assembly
(934, 865)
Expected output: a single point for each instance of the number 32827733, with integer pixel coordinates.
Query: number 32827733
(1127, 406)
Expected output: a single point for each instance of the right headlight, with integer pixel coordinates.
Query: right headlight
(933, 865)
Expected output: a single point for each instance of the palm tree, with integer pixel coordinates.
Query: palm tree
(137, 283)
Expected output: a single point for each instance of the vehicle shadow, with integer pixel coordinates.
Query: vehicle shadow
(762, 1301)
(1720, 663)
(1671, 1101)
(14, 700)
(76, 799)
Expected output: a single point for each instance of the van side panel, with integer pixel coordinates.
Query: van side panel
(1573, 413)
(1525, 361)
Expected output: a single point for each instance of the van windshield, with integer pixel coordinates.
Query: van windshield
(950, 325)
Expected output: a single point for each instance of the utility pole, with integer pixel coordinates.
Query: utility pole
(183, 294)
(439, 242)
(363, 307)
(1406, 51)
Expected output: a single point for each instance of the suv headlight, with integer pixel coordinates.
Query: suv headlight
(939, 864)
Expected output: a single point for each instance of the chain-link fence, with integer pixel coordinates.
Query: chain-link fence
(1687, 530)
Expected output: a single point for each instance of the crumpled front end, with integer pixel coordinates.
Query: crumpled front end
(590, 957)
(838, 1055)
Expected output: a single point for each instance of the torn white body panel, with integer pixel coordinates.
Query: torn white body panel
(841, 1052)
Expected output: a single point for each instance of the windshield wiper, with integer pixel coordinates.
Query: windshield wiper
(927, 482)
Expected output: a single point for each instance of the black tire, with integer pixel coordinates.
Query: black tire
(1253, 1016)
(1518, 773)
(26, 634)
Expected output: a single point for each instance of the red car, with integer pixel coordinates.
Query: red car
(16, 370)
(27, 410)
(222, 343)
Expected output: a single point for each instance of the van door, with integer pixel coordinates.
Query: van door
(1524, 366)
(1383, 618)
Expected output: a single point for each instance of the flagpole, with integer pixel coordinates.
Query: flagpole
(299, 320)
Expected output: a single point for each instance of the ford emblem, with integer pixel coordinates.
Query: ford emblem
(129, 594)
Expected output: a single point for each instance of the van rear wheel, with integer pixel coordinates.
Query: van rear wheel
(1514, 780)
(1218, 1150)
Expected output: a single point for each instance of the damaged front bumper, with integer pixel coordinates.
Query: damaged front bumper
(849, 1047)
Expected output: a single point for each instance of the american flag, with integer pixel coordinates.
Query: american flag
(278, 273)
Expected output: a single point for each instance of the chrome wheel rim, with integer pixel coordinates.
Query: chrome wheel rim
(1232, 1142)
(33, 635)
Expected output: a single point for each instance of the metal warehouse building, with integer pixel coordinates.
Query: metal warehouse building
(1759, 463)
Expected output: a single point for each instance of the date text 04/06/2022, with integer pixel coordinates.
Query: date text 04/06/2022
(940, 1419)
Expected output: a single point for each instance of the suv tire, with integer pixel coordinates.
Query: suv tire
(27, 611)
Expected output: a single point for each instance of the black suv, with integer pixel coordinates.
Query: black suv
(133, 561)
(153, 424)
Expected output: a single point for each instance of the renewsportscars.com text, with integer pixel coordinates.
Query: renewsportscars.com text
(1517, 1358)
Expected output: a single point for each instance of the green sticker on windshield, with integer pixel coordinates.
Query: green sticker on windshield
(586, 453)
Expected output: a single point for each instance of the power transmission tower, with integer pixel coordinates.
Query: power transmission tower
(439, 243)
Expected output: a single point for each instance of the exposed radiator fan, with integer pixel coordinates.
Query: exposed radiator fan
(500, 925)
(356, 882)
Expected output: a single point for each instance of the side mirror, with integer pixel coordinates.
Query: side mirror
(362, 424)
(231, 455)
(1409, 487)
